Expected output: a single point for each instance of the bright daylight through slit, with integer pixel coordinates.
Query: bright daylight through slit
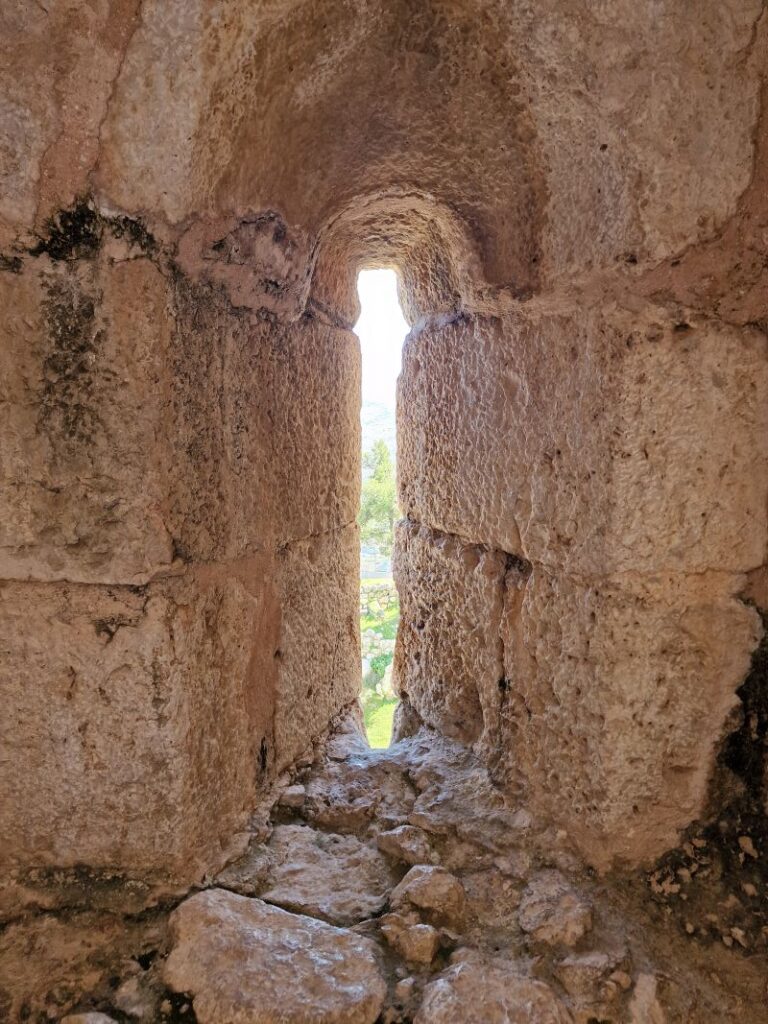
(381, 329)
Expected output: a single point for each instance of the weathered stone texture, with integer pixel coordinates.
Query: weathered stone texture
(448, 657)
(634, 677)
(336, 878)
(260, 456)
(242, 959)
(573, 176)
(52, 110)
(604, 440)
(318, 653)
(133, 722)
(144, 424)
(83, 465)
(574, 194)
(480, 990)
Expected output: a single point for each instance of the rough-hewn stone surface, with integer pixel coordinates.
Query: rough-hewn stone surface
(336, 878)
(141, 427)
(635, 677)
(505, 922)
(243, 960)
(83, 467)
(574, 195)
(591, 441)
(622, 452)
(318, 654)
(489, 991)
(138, 717)
(448, 657)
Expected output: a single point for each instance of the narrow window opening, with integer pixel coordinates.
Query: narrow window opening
(381, 329)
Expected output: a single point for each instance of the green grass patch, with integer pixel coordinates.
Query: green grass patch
(384, 624)
(378, 714)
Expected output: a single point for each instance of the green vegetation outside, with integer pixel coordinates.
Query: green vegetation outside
(378, 713)
(379, 618)
(384, 624)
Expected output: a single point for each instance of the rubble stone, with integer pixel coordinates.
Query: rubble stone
(551, 910)
(240, 957)
(479, 990)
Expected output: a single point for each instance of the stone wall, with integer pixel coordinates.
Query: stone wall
(176, 551)
(574, 195)
(587, 517)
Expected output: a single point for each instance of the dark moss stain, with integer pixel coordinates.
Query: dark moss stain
(177, 1008)
(521, 566)
(71, 234)
(85, 888)
(746, 750)
(135, 232)
(77, 233)
(714, 882)
(67, 402)
(11, 264)
(107, 627)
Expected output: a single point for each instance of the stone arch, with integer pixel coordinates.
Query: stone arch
(424, 238)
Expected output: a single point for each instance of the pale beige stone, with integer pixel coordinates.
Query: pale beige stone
(145, 423)
(448, 656)
(318, 651)
(406, 843)
(413, 940)
(583, 177)
(135, 737)
(83, 466)
(590, 441)
(645, 1007)
(336, 878)
(293, 796)
(480, 990)
(50, 120)
(87, 1018)
(359, 788)
(136, 998)
(52, 964)
(241, 959)
(620, 690)
(433, 891)
(574, 196)
(458, 799)
(552, 911)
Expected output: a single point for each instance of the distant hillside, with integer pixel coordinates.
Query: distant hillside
(378, 423)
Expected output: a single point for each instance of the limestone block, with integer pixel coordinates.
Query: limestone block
(318, 651)
(292, 430)
(82, 465)
(410, 938)
(50, 962)
(88, 1018)
(553, 912)
(242, 959)
(52, 110)
(598, 137)
(137, 721)
(615, 187)
(144, 424)
(620, 691)
(406, 843)
(434, 892)
(595, 440)
(448, 659)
